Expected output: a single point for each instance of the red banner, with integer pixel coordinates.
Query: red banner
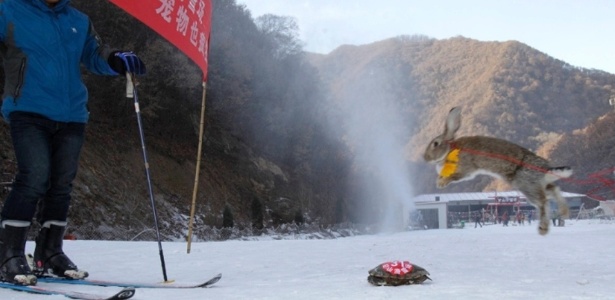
(184, 23)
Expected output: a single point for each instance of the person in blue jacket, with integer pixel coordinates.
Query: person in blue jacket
(43, 45)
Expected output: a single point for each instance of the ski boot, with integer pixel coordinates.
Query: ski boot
(13, 264)
(49, 259)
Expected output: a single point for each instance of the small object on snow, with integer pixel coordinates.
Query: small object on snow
(397, 273)
(583, 282)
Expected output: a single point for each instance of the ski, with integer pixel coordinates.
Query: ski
(159, 285)
(125, 293)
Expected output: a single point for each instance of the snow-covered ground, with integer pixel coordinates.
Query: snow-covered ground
(494, 262)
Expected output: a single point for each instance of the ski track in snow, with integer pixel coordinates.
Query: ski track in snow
(493, 262)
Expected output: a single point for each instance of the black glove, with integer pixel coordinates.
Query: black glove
(124, 62)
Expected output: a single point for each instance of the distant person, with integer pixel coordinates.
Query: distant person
(520, 218)
(44, 45)
(530, 216)
(554, 217)
(505, 218)
(419, 218)
(477, 220)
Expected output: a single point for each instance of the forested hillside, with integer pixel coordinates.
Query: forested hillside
(295, 137)
(264, 157)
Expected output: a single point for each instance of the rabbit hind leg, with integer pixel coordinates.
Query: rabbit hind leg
(562, 205)
(536, 196)
(543, 227)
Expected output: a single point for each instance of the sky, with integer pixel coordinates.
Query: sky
(580, 33)
(484, 263)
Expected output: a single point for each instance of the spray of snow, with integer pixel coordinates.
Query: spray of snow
(376, 131)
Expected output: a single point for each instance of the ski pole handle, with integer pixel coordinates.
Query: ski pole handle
(130, 88)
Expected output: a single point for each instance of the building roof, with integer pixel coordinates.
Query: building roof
(479, 196)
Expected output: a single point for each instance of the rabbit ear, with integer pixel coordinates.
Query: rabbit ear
(453, 122)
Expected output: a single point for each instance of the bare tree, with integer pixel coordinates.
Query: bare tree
(283, 32)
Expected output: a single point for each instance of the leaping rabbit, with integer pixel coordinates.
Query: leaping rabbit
(465, 157)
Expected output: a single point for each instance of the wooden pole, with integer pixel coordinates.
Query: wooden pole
(198, 167)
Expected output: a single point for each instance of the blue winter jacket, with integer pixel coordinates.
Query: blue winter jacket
(43, 49)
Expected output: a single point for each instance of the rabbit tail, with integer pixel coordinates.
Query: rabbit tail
(557, 173)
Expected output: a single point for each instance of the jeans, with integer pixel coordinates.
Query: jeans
(47, 155)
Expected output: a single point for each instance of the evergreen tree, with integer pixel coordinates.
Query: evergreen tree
(299, 220)
(257, 213)
(227, 217)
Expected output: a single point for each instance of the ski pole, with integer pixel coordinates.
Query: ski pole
(131, 92)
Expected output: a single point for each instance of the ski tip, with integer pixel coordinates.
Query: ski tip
(126, 293)
(212, 280)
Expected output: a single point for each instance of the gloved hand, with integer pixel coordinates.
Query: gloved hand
(124, 62)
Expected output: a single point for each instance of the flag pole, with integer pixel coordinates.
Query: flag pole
(198, 168)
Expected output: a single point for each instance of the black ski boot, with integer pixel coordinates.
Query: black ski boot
(49, 259)
(13, 264)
